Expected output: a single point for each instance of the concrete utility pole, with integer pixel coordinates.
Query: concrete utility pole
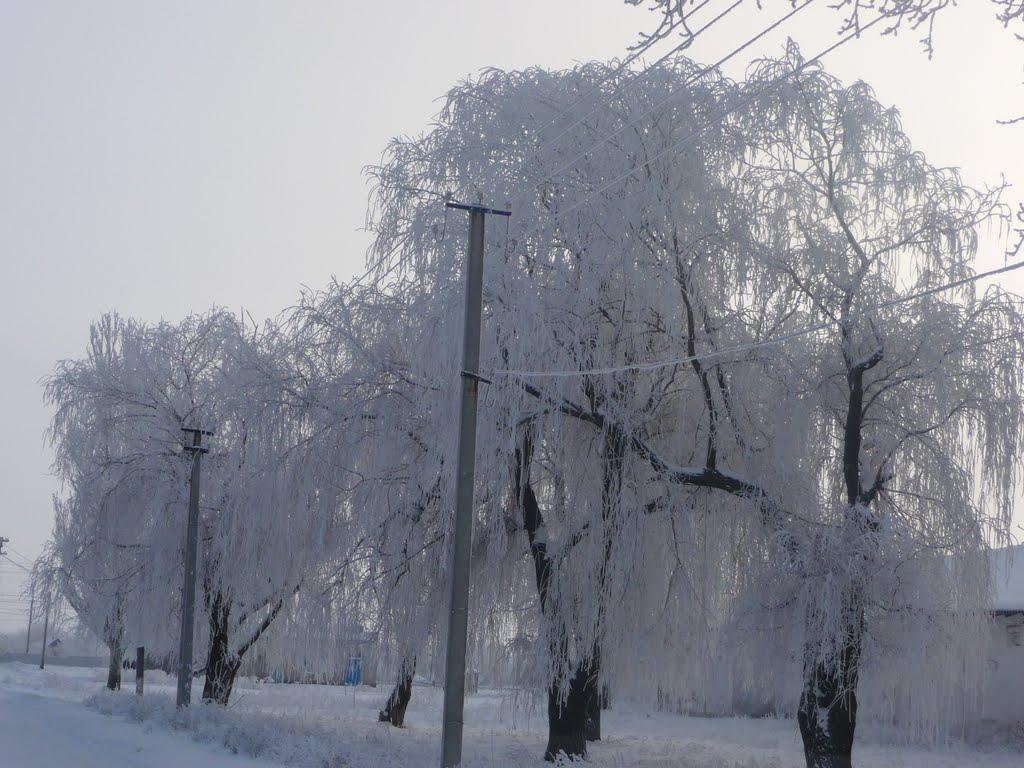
(31, 607)
(188, 589)
(458, 615)
(140, 668)
(46, 629)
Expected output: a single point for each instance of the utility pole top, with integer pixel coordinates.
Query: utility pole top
(197, 439)
(3, 541)
(478, 208)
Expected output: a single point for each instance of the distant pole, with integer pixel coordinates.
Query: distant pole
(140, 668)
(46, 629)
(188, 590)
(31, 607)
(458, 615)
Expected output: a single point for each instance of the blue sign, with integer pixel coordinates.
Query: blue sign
(354, 671)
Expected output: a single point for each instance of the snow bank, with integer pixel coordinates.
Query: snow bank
(279, 739)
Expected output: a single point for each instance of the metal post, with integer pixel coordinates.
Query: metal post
(455, 659)
(46, 629)
(140, 668)
(188, 589)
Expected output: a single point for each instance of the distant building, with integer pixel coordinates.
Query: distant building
(1004, 686)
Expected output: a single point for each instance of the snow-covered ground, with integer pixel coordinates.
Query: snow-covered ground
(45, 724)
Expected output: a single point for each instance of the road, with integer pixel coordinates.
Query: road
(41, 732)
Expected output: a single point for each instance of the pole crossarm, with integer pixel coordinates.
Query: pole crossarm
(197, 434)
(477, 208)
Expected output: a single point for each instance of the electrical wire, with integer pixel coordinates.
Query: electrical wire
(678, 144)
(594, 89)
(618, 70)
(640, 51)
(13, 551)
(637, 367)
(19, 565)
(681, 90)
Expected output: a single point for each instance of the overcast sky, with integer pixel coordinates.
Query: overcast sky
(160, 157)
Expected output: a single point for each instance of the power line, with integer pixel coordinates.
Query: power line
(685, 44)
(766, 342)
(13, 551)
(619, 69)
(681, 90)
(15, 563)
(688, 41)
(640, 51)
(594, 89)
(676, 145)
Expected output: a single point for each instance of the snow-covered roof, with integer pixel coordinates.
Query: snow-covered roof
(1008, 578)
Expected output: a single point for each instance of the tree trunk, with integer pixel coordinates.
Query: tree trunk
(593, 696)
(827, 714)
(114, 670)
(826, 723)
(221, 665)
(398, 701)
(613, 453)
(567, 719)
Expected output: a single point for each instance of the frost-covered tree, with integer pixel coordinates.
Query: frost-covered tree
(911, 388)
(375, 421)
(671, 257)
(268, 522)
(725, 381)
(641, 270)
(118, 434)
(100, 550)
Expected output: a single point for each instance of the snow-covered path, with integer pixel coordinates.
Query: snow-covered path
(38, 731)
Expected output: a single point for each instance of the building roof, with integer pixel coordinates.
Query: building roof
(1008, 578)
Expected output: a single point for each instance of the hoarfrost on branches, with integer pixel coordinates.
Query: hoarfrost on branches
(740, 444)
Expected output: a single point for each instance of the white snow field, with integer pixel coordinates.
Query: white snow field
(62, 717)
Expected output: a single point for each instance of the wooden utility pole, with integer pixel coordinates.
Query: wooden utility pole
(458, 613)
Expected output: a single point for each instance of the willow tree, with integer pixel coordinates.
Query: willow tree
(118, 434)
(269, 521)
(373, 413)
(627, 243)
(909, 372)
(100, 549)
